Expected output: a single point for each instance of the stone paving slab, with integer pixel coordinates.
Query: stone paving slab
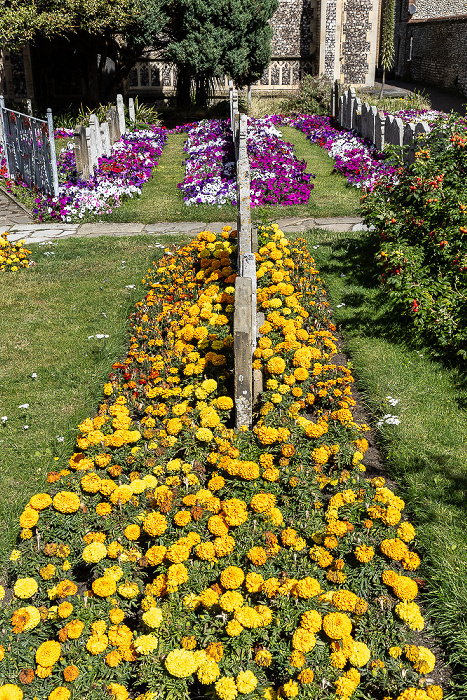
(36, 233)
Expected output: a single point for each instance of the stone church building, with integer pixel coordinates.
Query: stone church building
(337, 38)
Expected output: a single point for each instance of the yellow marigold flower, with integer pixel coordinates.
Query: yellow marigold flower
(70, 673)
(97, 643)
(204, 435)
(257, 555)
(421, 658)
(117, 691)
(104, 586)
(155, 555)
(94, 552)
(181, 663)
(235, 512)
(75, 629)
(364, 553)
(25, 619)
(232, 577)
(297, 659)
(344, 600)
(320, 455)
(263, 658)
(28, 518)
(132, 532)
(434, 692)
(65, 609)
(152, 617)
(231, 600)
(246, 682)
(48, 653)
(10, 692)
(406, 531)
(311, 620)
(337, 625)
(410, 614)
(155, 524)
(25, 588)
(307, 588)
(189, 642)
(395, 652)
(91, 482)
(290, 689)
(413, 694)
(223, 546)
(338, 659)
(145, 644)
(303, 640)
(208, 672)
(66, 502)
(360, 654)
(306, 676)
(59, 693)
(263, 502)
(394, 549)
(405, 588)
(233, 628)
(113, 658)
(226, 688)
(411, 562)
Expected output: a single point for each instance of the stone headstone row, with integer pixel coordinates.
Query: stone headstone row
(374, 125)
(96, 140)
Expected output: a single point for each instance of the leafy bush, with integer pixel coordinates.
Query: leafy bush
(313, 97)
(144, 115)
(413, 100)
(422, 224)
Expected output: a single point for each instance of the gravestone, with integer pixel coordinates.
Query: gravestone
(357, 115)
(105, 138)
(340, 115)
(243, 369)
(92, 150)
(121, 114)
(81, 153)
(343, 111)
(131, 110)
(95, 126)
(421, 129)
(112, 120)
(350, 106)
(394, 131)
(380, 130)
(234, 111)
(369, 113)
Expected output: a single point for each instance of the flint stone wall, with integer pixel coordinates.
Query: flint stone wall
(291, 25)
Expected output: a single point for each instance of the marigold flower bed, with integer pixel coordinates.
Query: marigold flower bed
(177, 557)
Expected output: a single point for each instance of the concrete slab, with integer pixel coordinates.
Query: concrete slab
(109, 228)
(338, 220)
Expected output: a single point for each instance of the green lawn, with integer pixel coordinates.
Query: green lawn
(79, 288)
(427, 452)
(161, 200)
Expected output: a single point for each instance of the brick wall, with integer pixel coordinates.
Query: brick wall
(438, 54)
(430, 9)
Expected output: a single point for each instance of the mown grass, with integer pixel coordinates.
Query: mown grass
(46, 316)
(161, 200)
(427, 452)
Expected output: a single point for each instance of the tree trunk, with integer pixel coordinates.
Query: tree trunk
(382, 84)
(183, 89)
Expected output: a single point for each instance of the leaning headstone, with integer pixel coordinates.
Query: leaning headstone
(92, 149)
(81, 153)
(121, 114)
(380, 130)
(333, 100)
(112, 120)
(234, 110)
(95, 126)
(131, 110)
(243, 367)
(249, 270)
(105, 138)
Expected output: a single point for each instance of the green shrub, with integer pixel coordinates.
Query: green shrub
(313, 96)
(422, 224)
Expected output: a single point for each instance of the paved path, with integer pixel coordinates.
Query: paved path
(38, 233)
(11, 212)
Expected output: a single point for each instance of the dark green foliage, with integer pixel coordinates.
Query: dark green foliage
(211, 38)
(422, 223)
(314, 96)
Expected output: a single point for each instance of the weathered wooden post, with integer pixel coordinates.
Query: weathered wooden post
(242, 353)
